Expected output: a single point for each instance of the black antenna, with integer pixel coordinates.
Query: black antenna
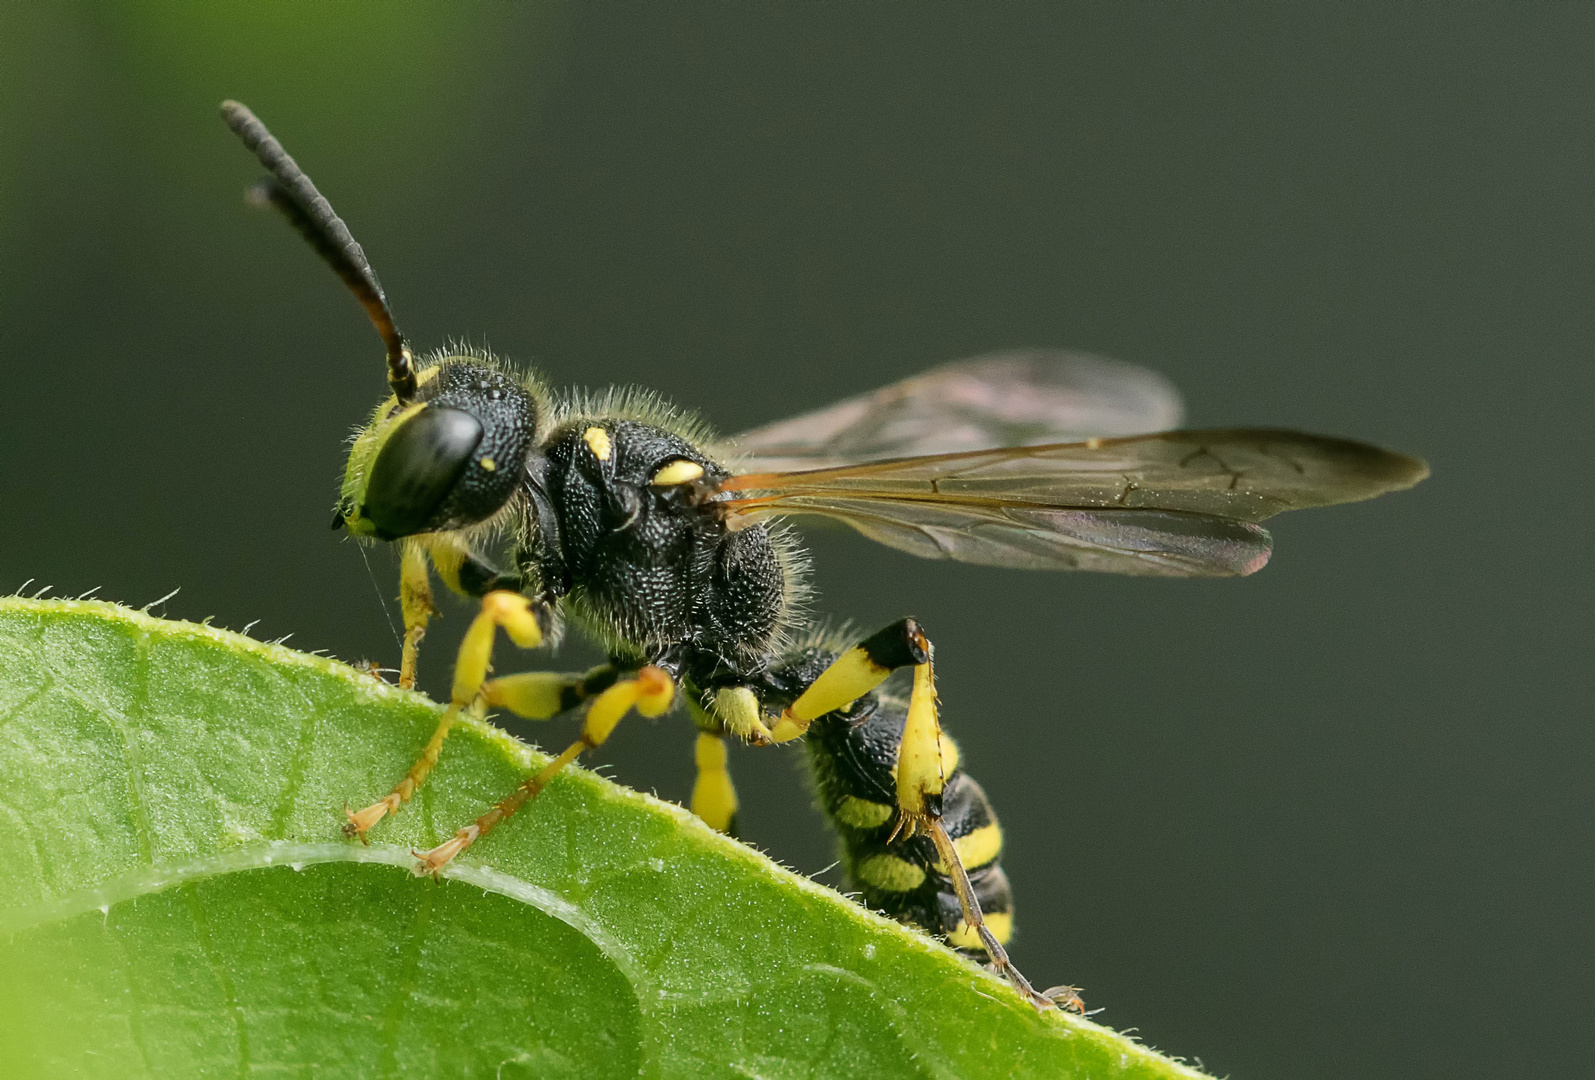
(290, 190)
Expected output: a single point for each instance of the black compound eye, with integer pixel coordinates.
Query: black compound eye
(416, 469)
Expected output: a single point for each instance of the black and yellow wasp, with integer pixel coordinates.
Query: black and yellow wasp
(620, 517)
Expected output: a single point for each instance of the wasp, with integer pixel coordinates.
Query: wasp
(623, 519)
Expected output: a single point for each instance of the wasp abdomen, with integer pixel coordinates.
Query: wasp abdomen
(855, 766)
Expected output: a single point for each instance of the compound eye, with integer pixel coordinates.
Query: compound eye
(416, 469)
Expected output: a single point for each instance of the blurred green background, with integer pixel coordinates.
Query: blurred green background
(1333, 820)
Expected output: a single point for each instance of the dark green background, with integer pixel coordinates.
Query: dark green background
(1333, 820)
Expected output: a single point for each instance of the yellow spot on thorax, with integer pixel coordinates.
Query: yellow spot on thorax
(597, 440)
(677, 472)
(488, 464)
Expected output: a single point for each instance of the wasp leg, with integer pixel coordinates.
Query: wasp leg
(460, 569)
(924, 761)
(543, 695)
(920, 776)
(415, 601)
(516, 615)
(974, 926)
(854, 674)
(650, 692)
(714, 797)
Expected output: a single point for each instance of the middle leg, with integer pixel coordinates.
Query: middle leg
(651, 691)
(516, 615)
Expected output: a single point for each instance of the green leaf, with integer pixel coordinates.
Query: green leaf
(180, 902)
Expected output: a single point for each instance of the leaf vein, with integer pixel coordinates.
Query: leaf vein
(409, 978)
(33, 695)
(207, 946)
(298, 766)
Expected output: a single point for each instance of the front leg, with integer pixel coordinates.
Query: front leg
(415, 601)
(463, 571)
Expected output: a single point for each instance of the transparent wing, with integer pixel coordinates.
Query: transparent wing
(1020, 398)
(1177, 503)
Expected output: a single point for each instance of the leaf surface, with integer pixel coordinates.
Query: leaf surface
(180, 902)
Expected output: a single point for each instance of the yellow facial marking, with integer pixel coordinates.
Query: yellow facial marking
(1000, 924)
(488, 464)
(862, 813)
(677, 472)
(597, 440)
(976, 849)
(890, 873)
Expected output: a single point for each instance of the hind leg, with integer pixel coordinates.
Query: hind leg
(651, 691)
(924, 761)
(857, 672)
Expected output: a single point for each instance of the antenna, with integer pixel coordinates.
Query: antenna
(290, 190)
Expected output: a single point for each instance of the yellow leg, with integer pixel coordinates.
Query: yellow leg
(514, 613)
(714, 797)
(919, 758)
(1059, 997)
(650, 693)
(543, 695)
(854, 674)
(740, 715)
(920, 775)
(415, 601)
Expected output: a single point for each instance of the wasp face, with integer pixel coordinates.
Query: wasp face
(450, 459)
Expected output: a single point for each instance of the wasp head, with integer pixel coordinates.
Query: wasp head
(451, 457)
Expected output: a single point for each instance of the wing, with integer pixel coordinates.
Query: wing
(1001, 399)
(1177, 503)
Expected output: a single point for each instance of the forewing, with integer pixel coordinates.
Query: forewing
(1179, 503)
(1143, 542)
(1020, 398)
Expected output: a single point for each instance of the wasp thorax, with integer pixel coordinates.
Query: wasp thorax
(450, 459)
